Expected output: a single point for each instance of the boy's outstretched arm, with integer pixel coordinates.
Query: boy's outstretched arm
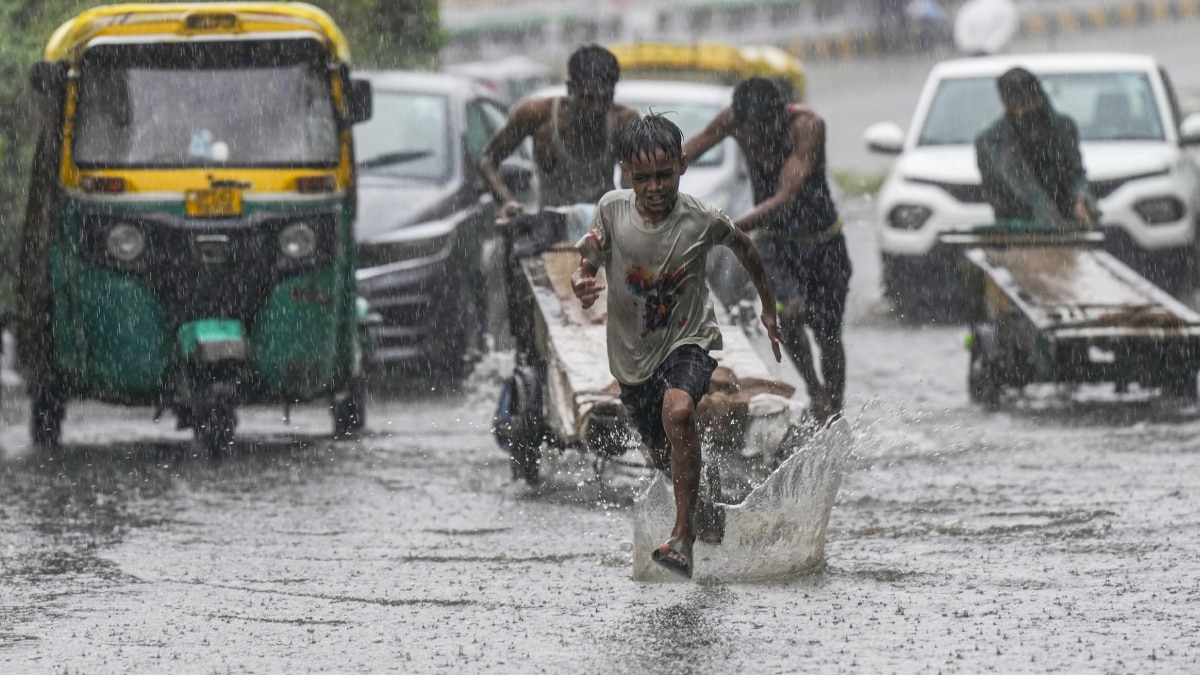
(583, 282)
(744, 249)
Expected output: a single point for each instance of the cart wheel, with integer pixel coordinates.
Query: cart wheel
(213, 428)
(350, 411)
(49, 407)
(525, 427)
(1183, 387)
(983, 377)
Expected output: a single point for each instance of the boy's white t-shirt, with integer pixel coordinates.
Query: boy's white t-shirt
(657, 294)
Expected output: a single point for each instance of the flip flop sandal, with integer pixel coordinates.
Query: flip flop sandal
(675, 556)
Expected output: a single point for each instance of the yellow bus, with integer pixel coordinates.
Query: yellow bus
(712, 63)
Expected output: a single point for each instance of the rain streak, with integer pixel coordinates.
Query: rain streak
(479, 336)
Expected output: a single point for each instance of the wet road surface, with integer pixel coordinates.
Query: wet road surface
(1061, 534)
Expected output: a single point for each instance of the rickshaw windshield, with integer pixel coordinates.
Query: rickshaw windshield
(227, 103)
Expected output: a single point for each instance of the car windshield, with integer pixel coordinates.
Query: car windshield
(1105, 107)
(245, 104)
(408, 136)
(691, 118)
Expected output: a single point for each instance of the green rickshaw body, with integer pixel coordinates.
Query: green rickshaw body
(115, 341)
(189, 237)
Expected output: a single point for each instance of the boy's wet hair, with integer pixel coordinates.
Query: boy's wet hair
(647, 136)
(593, 63)
(755, 101)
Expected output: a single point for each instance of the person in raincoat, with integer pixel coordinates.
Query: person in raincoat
(1030, 162)
(572, 136)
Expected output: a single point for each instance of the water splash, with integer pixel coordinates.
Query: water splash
(777, 531)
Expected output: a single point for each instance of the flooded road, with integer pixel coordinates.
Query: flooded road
(1058, 535)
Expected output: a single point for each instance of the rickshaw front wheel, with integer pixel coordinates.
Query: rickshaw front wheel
(49, 407)
(350, 411)
(214, 428)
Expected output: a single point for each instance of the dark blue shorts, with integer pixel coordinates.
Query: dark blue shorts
(689, 368)
(818, 275)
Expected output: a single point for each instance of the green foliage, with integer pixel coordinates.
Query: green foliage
(388, 33)
(382, 34)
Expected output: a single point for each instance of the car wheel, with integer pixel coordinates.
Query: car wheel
(1183, 386)
(48, 409)
(464, 341)
(984, 383)
(350, 411)
(213, 427)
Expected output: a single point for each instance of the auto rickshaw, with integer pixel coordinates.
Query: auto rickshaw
(188, 242)
(712, 63)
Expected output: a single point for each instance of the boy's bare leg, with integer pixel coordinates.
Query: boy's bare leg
(679, 419)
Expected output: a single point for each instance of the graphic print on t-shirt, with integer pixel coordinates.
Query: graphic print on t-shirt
(658, 296)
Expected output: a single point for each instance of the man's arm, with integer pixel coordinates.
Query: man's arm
(744, 249)
(716, 131)
(808, 138)
(522, 123)
(625, 116)
(1082, 210)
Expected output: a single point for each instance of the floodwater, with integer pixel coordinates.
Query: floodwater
(1059, 534)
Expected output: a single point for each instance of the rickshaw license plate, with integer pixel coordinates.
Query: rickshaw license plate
(213, 202)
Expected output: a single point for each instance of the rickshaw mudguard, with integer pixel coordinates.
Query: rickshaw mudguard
(297, 336)
(111, 335)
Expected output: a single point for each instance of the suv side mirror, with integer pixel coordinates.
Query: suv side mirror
(1189, 131)
(359, 104)
(48, 77)
(886, 138)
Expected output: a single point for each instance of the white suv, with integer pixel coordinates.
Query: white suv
(1139, 157)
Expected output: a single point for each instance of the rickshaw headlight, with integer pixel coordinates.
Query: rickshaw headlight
(298, 241)
(125, 242)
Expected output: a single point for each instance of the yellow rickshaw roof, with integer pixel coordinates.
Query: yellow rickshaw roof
(134, 19)
(739, 62)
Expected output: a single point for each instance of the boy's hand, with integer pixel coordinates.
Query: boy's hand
(586, 288)
(769, 322)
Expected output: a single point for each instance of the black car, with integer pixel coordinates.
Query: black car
(426, 220)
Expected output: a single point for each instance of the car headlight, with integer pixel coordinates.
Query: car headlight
(125, 242)
(298, 241)
(1157, 210)
(908, 217)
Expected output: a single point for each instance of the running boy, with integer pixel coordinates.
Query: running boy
(654, 242)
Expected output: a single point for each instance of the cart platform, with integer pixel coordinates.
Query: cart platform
(1057, 308)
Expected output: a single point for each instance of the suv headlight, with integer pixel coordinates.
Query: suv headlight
(1157, 210)
(298, 241)
(125, 242)
(908, 217)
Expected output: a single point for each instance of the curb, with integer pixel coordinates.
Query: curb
(1033, 24)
